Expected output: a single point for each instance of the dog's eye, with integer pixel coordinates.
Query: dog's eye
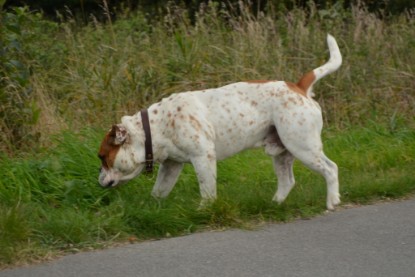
(104, 162)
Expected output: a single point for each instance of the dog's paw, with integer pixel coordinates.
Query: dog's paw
(205, 203)
(156, 194)
(279, 197)
(332, 201)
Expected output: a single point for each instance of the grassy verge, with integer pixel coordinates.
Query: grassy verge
(52, 204)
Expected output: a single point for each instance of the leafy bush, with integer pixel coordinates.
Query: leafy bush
(18, 111)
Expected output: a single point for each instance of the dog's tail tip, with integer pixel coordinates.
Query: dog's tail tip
(308, 80)
(335, 55)
(330, 39)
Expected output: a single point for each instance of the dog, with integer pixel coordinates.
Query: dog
(201, 127)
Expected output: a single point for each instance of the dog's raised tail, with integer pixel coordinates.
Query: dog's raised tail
(309, 79)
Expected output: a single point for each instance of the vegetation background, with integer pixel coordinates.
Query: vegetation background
(68, 72)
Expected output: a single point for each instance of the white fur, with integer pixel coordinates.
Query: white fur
(201, 127)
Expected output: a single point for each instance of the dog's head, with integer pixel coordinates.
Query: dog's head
(122, 156)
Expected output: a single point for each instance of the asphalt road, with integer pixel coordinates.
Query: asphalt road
(377, 240)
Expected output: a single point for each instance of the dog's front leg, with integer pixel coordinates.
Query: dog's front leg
(205, 167)
(167, 176)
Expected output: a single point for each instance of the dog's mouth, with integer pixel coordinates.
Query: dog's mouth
(113, 178)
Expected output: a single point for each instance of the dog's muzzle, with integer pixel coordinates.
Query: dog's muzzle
(105, 179)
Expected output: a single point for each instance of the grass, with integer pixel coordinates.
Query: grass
(52, 204)
(92, 75)
(71, 82)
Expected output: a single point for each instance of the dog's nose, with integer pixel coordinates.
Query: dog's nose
(110, 184)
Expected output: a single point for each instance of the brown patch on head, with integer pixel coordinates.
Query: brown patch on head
(109, 149)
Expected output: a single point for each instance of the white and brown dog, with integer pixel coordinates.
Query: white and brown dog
(204, 126)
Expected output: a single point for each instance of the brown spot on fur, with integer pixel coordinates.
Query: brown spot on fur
(254, 103)
(196, 124)
(304, 84)
(306, 81)
(155, 111)
(296, 89)
(292, 100)
(211, 157)
(179, 109)
(172, 123)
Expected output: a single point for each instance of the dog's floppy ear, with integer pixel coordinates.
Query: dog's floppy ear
(119, 134)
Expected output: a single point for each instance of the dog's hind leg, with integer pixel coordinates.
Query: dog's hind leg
(302, 138)
(167, 176)
(283, 166)
(317, 161)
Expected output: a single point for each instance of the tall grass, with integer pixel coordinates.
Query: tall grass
(83, 78)
(92, 75)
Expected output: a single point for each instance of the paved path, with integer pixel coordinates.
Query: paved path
(377, 240)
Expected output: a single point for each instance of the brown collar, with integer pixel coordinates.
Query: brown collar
(148, 144)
